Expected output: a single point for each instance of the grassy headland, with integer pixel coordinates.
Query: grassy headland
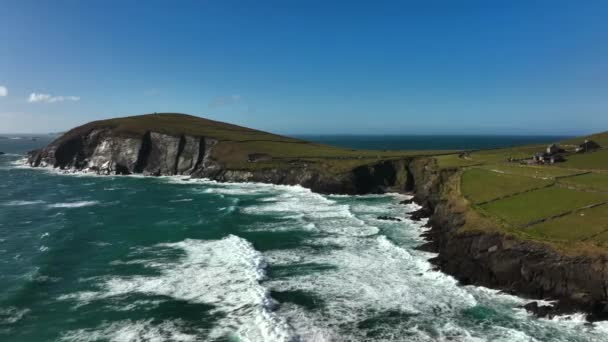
(564, 204)
(236, 144)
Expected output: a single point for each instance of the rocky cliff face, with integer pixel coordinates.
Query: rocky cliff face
(497, 260)
(108, 152)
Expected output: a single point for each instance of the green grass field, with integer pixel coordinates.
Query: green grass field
(480, 185)
(582, 225)
(529, 200)
(539, 172)
(501, 155)
(535, 205)
(589, 181)
(453, 161)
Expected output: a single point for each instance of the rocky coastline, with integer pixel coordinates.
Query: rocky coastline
(496, 260)
(488, 258)
(104, 151)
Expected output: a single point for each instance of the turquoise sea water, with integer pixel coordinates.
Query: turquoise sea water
(90, 258)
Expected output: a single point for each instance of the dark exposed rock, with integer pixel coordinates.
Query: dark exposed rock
(1, 153)
(599, 311)
(407, 201)
(428, 246)
(163, 155)
(388, 175)
(389, 218)
(421, 213)
(188, 154)
(540, 310)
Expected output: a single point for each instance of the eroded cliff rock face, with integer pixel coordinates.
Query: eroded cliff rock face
(494, 259)
(108, 152)
(381, 177)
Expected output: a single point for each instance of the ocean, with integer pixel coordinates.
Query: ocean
(430, 142)
(126, 258)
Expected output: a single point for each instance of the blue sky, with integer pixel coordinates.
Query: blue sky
(376, 67)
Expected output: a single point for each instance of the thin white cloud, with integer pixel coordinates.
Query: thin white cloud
(3, 91)
(224, 101)
(48, 98)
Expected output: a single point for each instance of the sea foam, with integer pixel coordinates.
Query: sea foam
(224, 273)
(22, 203)
(130, 330)
(367, 283)
(78, 204)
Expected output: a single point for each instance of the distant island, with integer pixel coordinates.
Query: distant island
(530, 220)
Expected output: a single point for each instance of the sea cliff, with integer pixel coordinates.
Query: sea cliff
(108, 152)
(486, 256)
(468, 247)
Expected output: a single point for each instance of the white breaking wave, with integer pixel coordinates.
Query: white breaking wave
(181, 200)
(224, 273)
(132, 331)
(22, 203)
(368, 284)
(368, 275)
(73, 204)
(10, 315)
(20, 163)
(308, 207)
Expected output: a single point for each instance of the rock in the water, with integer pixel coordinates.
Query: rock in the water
(1, 153)
(540, 310)
(421, 213)
(599, 311)
(389, 218)
(407, 201)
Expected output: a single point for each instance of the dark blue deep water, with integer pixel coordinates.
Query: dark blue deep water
(429, 142)
(103, 258)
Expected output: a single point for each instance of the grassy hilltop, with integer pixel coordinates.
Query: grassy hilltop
(236, 143)
(565, 204)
